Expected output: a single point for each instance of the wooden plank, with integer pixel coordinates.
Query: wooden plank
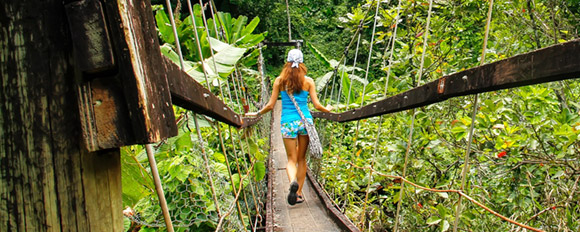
(101, 178)
(145, 86)
(548, 64)
(295, 43)
(93, 50)
(186, 92)
(191, 95)
(339, 218)
(104, 114)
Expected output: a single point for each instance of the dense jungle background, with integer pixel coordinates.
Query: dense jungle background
(525, 151)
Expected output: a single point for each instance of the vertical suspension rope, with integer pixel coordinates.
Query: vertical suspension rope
(175, 35)
(198, 43)
(355, 137)
(221, 92)
(473, 114)
(370, 52)
(210, 47)
(213, 16)
(393, 46)
(340, 84)
(393, 38)
(353, 65)
(410, 141)
(219, 130)
(345, 53)
(149, 147)
(200, 138)
(207, 169)
(158, 187)
(289, 24)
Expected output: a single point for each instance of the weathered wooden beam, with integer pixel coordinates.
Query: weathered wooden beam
(295, 43)
(190, 94)
(558, 62)
(138, 55)
(92, 46)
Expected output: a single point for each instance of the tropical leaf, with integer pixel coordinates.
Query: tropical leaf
(321, 82)
(319, 55)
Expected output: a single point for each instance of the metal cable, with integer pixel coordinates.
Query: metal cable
(370, 52)
(474, 113)
(410, 141)
(351, 80)
(158, 187)
(289, 24)
(198, 43)
(210, 47)
(379, 130)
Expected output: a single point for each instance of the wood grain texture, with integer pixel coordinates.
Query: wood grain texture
(144, 83)
(92, 47)
(553, 63)
(311, 215)
(42, 180)
(190, 94)
(104, 114)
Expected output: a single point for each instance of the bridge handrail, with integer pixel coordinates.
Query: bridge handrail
(557, 62)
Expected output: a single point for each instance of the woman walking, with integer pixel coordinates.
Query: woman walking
(293, 81)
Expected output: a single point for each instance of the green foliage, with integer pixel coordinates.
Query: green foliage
(524, 154)
(526, 140)
(238, 39)
(196, 169)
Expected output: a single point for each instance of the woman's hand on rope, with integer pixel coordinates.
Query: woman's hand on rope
(252, 114)
(329, 108)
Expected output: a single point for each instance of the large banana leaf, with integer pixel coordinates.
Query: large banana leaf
(319, 55)
(226, 57)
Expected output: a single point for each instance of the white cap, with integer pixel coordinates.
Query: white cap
(295, 56)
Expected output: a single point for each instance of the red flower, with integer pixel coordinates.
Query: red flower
(420, 205)
(502, 154)
(524, 10)
(553, 207)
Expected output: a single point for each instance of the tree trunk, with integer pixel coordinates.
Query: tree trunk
(48, 181)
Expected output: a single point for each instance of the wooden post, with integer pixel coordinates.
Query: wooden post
(48, 181)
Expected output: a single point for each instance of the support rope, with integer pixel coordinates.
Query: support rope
(370, 52)
(379, 130)
(354, 67)
(410, 141)
(217, 76)
(474, 113)
(459, 192)
(158, 187)
(289, 24)
(200, 53)
(346, 50)
(355, 138)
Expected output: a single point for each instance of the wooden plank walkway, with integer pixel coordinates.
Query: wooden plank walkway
(308, 216)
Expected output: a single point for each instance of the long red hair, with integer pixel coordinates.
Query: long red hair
(293, 78)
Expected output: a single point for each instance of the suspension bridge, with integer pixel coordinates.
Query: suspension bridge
(62, 171)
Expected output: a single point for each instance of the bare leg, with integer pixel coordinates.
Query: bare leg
(291, 146)
(302, 167)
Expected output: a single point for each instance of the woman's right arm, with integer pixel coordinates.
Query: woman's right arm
(272, 102)
(314, 97)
